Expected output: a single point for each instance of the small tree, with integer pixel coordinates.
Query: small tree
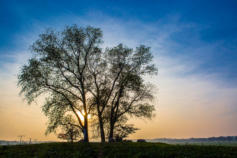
(69, 128)
(70, 132)
(122, 130)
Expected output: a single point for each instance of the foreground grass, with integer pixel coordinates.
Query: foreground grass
(116, 150)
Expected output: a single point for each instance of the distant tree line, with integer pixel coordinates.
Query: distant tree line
(86, 85)
(209, 139)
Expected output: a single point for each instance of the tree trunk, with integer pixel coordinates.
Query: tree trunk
(111, 132)
(102, 133)
(85, 132)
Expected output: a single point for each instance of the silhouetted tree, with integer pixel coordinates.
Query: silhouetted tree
(70, 132)
(59, 69)
(119, 88)
(131, 95)
(122, 130)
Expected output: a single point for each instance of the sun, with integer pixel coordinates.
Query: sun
(81, 115)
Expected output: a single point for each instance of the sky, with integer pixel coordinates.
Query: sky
(194, 44)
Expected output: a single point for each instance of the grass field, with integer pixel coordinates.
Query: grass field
(116, 150)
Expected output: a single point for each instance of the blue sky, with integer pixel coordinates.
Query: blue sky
(194, 44)
(210, 24)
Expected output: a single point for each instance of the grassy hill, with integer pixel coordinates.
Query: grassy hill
(116, 150)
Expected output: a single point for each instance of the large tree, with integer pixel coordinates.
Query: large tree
(59, 69)
(120, 90)
(79, 78)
